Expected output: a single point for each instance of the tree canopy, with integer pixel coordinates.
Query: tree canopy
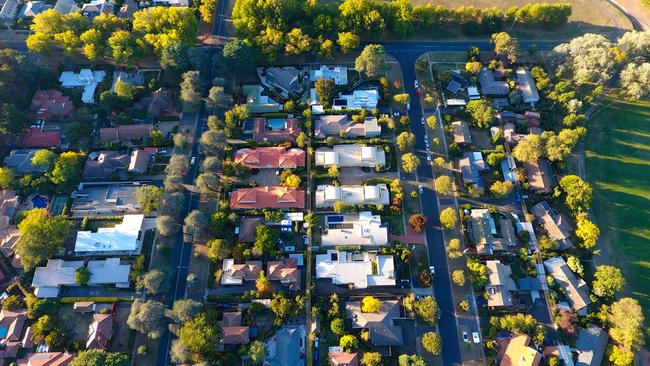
(41, 236)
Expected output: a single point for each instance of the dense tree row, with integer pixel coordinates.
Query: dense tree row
(296, 27)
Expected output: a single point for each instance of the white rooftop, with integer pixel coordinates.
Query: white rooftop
(87, 79)
(363, 229)
(367, 99)
(109, 271)
(337, 73)
(356, 268)
(326, 195)
(124, 237)
(354, 155)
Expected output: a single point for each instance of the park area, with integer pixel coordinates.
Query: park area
(618, 167)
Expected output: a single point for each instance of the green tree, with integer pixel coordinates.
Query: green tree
(238, 56)
(125, 91)
(6, 177)
(427, 310)
(257, 352)
(217, 98)
(43, 158)
(154, 282)
(41, 236)
(481, 111)
(477, 272)
(505, 45)
(147, 317)
(186, 309)
(67, 170)
(348, 342)
(218, 249)
(297, 42)
(196, 223)
(337, 326)
(262, 283)
(411, 360)
(371, 359)
(82, 276)
(348, 41)
(501, 189)
(201, 333)
(266, 239)
(123, 47)
(608, 281)
(325, 91)
(96, 357)
(12, 119)
(432, 342)
(191, 90)
(372, 61)
(405, 141)
(448, 218)
(410, 162)
(174, 56)
(586, 231)
(443, 185)
(13, 302)
(282, 307)
(418, 222)
(529, 149)
(326, 49)
(149, 198)
(578, 193)
(370, 304)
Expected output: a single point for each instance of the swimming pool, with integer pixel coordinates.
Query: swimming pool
(276, 124)
(3, 332)
(39, 202)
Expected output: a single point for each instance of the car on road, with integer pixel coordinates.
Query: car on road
(420, 189)
(422, 120)
(429, 156)
(426, 139)
(416, 84)
(396, 114)
(417, 93)
(193, 161)
(408, 106)
(465, 337)
(476, 338)
(426, 144)
(433, 271)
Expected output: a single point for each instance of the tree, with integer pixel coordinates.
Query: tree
(147, 317)
(427, 310)
(174, 56)
(505, 45)
(186, 309)
(370, 304)
(291, 180)
(453, 249)
(297, 42)
(41, 236)
(402, 99)
(326, 49)
(372, 61)
(162, 26)
(501, 189)
(410, 162)
(411, 360)
(6, 177)
(13, 302)
(418, 222)
(201, 333)
(238, 56)
(179, 353)
(43, 158)
(547, 244)
(123, 47)
(206, 9)
(432, 342)
(325, 91)
(464, 305)
(149, 198)
(191, 90)
(266, 239)
(559, 147)
(371, 359)
(67, 170)
(586, 231)
(621, 357)
(212, 142)
(97, 357)
(340, 206)
(443, 185)
(333, 171)
(282, 307)
(337, 326)
(575, 265)
(348, 342)
(125, 90)
(608, 281)
(626, 323)
(529, 149)
(635, 81)
(218, 249)
(154, 282)
(348, 41)
(473, 67)
(590, 57)
(180, 141)
(217, 98)
(12, 119)
(196, 223)
(578, 193)
(257, 351)
(262, 283)
(405, 141)
(82, 275)
(458, 276)
(166, 225)
(477, 272)
(481, 111)
(448, 218)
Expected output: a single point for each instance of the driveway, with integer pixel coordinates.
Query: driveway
(265, 177)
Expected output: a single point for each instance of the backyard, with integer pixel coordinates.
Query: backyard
(618, 167)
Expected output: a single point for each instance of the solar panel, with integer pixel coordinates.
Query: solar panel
(453, 86)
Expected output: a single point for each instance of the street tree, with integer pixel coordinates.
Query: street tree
(443, 185)
(608, 281)
(458, 276)
(411, 360)
(448, 218)
(477, 273)
(197, 223)
(505, 45)
(217, 98)
(166, 225)
(432, 342)
(218, 249)
(481, 112)
(191, 91)
(586, 231)
(178, 165)
(147, 317)
(418, 222)
(149, 198)
(174, 56)
(427, 310)
(186, 309)
(371, 359)
(405, 141)
(372, 61)
(154, 282)
(325, 91)
(212, 142)
(348, 41)
(201, 333)
(410, 162)
(578, 193)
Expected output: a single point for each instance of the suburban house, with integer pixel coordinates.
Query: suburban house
(539, 176)
(575, 289)
(47, 280)
(105, 198)
(591, 346)
(248, 226)
(362, 229)
(232, 330)
(8, 204)
(286, 271)
(327, 195)
(285, 79)
(490, 86)
(258, 103)
(32, 8)
(334, 125)
(86, 79)
(286, 347)
(483, 232)
(359, 269)
(46, 359)
(354, 155)
(123, 239)
(8, 239)
(533, 119)
(527, 86)
(271, 157)
(65, 7)
(104, 164)
(519, 353)
(267, 197)
(125, 133)
(139, 162)
(236, 274)
(470, 165)
(275, 129)
(457, 82)
(460, 130)
(343, 359)
(556, 225)
(20, 161)
(47, 104)
(8, 11)
(366, 99)
(96, 7)
(381, 325)
(13, 324)
(500, 285)
(100, 331)
(338, 74)
(159, 103)
(36, 137)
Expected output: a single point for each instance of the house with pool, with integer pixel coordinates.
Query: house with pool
(275, 129)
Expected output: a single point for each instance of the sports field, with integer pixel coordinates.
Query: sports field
(618, 166)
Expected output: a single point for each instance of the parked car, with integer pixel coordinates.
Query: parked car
(416, 84)
(465, 337)
(422, 120)
(193, 161)
(408, 106)
(433, 271)
(417, 93)
(420, 189)
(428, 155)
(476, 338)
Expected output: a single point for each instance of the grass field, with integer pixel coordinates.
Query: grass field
(618, 167)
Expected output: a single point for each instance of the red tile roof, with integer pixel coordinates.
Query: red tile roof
(50, 103)
(37, 138)
(533, 118)
(343, 359)
(289, 133)
(286, 271)
(267, 197)
(233, 331)
(271, 157)
(100, 331)
(46, 359)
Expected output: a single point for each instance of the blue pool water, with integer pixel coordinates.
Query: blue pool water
(3, 332)
(275, 124)
(39, 202)
(334, 219)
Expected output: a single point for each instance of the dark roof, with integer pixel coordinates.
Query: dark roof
(248, 226)
(529, 284)
(591, 346)
(104, 164)
(37, 138)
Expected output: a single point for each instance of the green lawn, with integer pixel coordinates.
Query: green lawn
(618, 167)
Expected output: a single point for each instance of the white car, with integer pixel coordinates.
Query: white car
(408, 106)
(429, 156)
(422, 120)
(421, 190)
(193, 161)
(465, 337)
(433, 270)
(426, 138)
(476, 338)
(416, 84)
